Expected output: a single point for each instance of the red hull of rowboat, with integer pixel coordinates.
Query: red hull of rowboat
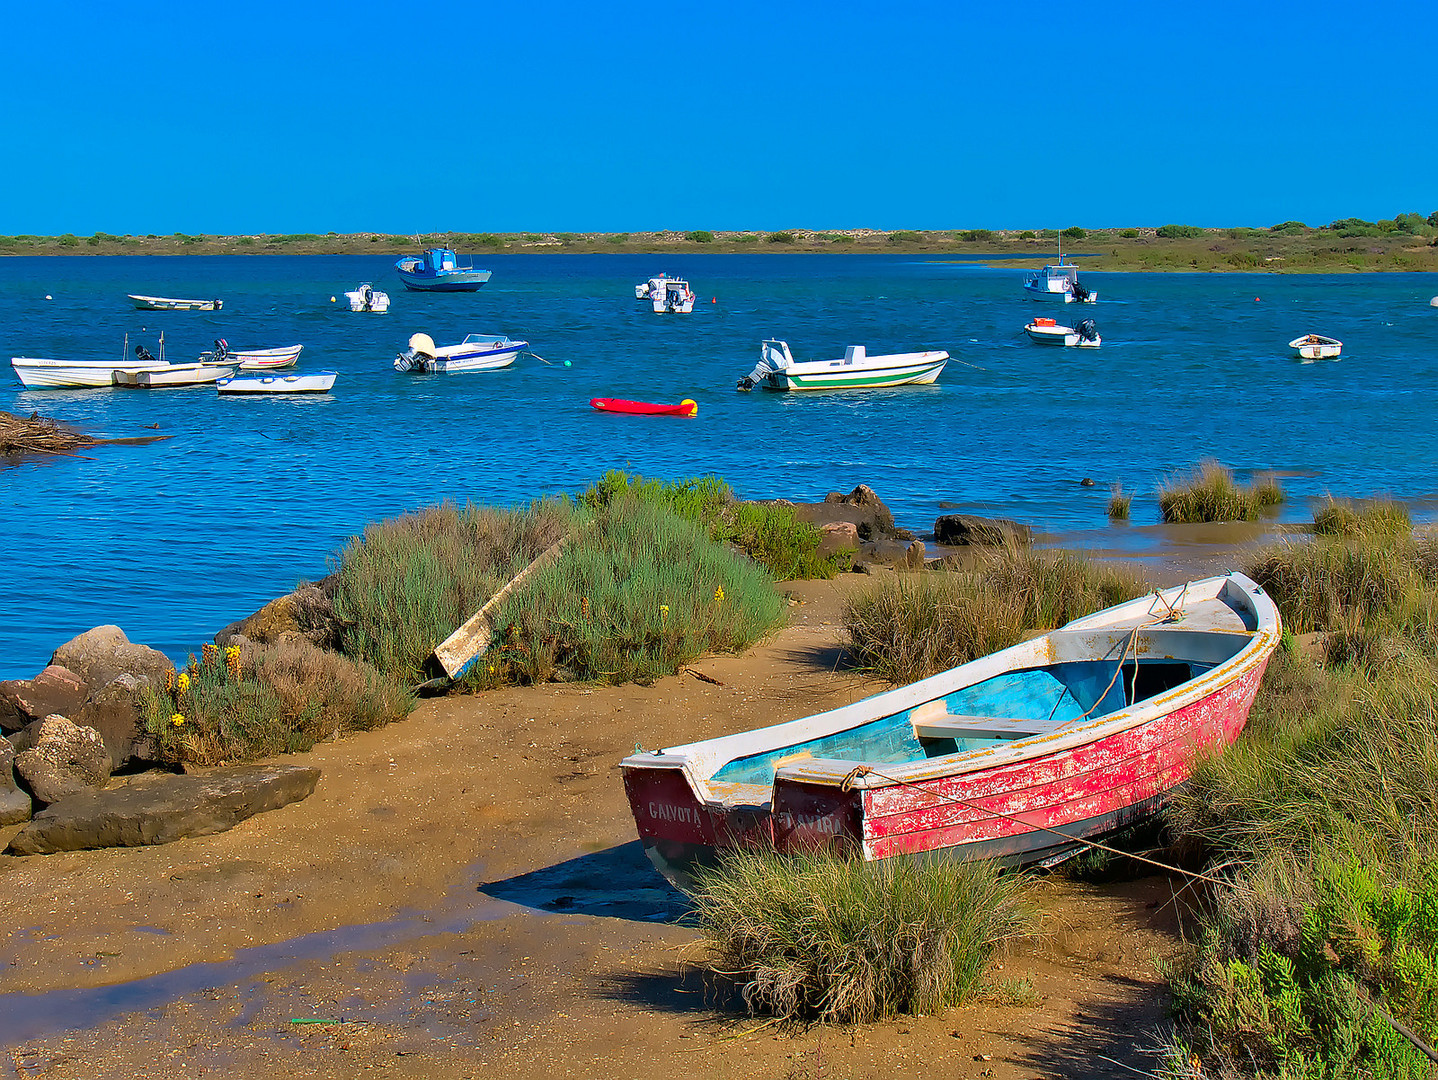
(1024, 808)
(687, 407)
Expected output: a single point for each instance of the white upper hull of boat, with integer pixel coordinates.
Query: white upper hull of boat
(40, 374)
(1316, 347)
(1060, 335)
(173, 375)
(317, 383)
(169, 303)
(265, 359)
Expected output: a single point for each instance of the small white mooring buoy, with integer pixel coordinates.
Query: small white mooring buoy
(49, 297)
(1431, 303)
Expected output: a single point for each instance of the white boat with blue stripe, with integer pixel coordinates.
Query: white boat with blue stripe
(477, 352)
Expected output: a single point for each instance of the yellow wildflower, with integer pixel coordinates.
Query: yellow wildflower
(182, 682)
(664, 610)
(178, 720)
(719, 595)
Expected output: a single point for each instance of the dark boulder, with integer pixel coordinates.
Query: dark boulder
(861, 508)
(65, 760)
(116, 711)
(15, 805)
(164, 810)
(958, 530)
(54, 690)
(895, 553)
(309, 611)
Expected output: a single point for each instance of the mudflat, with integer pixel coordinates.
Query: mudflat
(463, 895)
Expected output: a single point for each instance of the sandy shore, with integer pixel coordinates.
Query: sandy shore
(463, 895)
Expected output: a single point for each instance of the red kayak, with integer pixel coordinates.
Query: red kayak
(687, 407)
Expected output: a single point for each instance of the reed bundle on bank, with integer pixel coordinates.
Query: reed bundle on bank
(1210, 494)
(821, 936)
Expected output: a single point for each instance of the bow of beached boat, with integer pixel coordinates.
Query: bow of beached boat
(1020, 755)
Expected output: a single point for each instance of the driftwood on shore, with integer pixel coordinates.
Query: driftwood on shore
(38, 435)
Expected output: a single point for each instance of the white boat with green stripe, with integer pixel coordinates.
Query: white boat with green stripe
(856, 370)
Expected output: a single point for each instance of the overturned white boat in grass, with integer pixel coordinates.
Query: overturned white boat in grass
(1049, 332)
(477, 352)
(856, 370)
(1316, 347)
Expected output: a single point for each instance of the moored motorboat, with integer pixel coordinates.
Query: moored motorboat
(36, 373)
(439, 270)
(1049, 332)
(645, 290)
(857, 370)
(317, 382)
(672, 295)
(1058, 281)
(196, 374)
(687, 407)
(252, 359)
(1316, 347)
(1020, 755)
(367, 298)
(477, 352)
(170, 303)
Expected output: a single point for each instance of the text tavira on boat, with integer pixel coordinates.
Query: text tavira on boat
(439, 270)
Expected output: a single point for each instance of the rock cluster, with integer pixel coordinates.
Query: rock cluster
(69, 728)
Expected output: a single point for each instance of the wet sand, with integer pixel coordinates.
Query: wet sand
(463, 895)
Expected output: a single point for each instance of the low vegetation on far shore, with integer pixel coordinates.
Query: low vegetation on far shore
(1322, 816)
(1406, 242)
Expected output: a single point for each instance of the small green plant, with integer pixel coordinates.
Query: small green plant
(1129, 234)
(1073, 232)
(1179, 232)
(906, 236)
(840, 238)
(1376, 518)
(1028, 234)
(784, 237)
(700, 236)
(490, 240)
(815, 935)
(977, 236)
(746, 238)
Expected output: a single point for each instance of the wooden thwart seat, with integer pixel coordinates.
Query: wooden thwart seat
(949, 726)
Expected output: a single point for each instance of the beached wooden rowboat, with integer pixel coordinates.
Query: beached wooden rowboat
(1015, 756)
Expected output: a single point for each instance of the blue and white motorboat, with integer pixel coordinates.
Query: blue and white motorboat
(439, 270)
(477, 352)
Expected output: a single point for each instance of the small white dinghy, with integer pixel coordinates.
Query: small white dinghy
(252, 359)
(170, 303)
(1316, 347)
(196, 374)
(318, 382)
(367, 298)
(1048, 332)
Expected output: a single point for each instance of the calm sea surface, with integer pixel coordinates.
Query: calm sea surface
(176, 539)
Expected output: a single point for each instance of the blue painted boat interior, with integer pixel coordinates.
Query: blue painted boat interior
(1059, 692)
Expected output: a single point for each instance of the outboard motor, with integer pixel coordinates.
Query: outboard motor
(418, 356)
(774, 357)
(144, 355)
(1087, 331)
(1080, 293)
(222, 348)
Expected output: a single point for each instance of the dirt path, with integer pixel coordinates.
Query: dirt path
(463, 896)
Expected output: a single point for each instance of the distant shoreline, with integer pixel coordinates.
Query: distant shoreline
(1290, 248)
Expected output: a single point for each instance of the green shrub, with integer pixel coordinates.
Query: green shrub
(256, 701)
(1377, 518)
(619, 238)
(906, 236)
(780, 238)
(840, 238)
(700, 236)
(490, 240)
(408, 583)
(820, 936)
(1180, 232)
(978, 236)
(1073, 232)
(1028, 234)
(1129, 234)
(750, 238)
(69, 240)
(634, 596)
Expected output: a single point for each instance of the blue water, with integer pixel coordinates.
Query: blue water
(176, 539)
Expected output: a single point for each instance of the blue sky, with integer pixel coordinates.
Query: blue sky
(563, 116)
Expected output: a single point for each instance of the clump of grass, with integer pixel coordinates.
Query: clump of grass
(1210, 494)
(912, 626)
(408, 583)
(1378, 519)
(769, 533)
(635, 596)
(816, 935)
(1119, 504)
(255, 701)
